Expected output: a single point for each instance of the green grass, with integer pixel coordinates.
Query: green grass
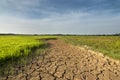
(15, 46)
(19, 50)
(108, 45)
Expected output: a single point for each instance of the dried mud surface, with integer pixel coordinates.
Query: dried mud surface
(68, 62)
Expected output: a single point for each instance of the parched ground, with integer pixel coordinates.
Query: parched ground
(68, 62)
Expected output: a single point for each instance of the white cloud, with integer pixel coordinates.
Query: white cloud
(74, 22)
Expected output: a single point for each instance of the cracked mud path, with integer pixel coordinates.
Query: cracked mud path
(68, 62)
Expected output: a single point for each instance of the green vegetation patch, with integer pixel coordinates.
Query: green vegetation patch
(108, 45)
(20, 50)
(15, 46)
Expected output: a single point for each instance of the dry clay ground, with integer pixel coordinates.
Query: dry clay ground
(68, 62)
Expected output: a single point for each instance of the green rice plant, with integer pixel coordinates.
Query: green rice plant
(15, 46)
(19, 51)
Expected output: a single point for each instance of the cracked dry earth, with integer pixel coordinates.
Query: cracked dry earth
(68, 62)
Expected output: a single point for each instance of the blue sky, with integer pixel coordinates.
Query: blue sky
(60, 16)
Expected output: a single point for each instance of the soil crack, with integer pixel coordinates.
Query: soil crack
(68, 62)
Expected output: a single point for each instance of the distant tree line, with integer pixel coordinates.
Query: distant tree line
(117, 34)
